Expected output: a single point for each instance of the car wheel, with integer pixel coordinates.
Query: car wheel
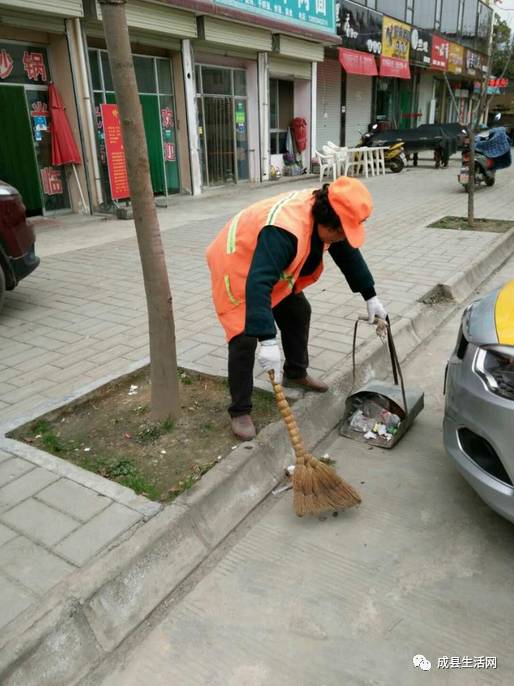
(2, 287)
(396, 165)
(490, 182)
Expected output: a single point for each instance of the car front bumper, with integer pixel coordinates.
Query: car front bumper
(487, 460)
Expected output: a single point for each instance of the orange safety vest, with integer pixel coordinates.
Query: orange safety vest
(230, 255)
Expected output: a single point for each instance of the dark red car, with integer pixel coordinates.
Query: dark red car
(17, 254)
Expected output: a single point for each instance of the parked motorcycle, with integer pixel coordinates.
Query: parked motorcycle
(492, 152)
(395, 158)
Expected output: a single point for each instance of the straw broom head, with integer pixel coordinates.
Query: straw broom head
(316, 486)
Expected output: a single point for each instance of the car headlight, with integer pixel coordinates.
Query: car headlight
(496, 369)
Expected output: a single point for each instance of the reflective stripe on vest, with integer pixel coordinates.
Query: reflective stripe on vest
(231, 235)
(231, 296)
(284, 276)
(278, 206)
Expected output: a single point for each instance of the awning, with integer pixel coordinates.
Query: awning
(356, 62)
(394, 67)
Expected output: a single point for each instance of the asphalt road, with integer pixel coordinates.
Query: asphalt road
(422, 567)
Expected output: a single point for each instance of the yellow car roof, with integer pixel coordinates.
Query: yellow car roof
(504, 314)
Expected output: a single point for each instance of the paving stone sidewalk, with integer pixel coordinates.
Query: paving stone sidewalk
(81, 317)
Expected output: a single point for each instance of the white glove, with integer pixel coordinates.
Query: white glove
(375, 309)
(269, 357)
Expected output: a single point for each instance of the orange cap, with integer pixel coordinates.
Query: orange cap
(351, 201)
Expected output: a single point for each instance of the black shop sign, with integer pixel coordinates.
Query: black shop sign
(359, 28)
(420, 47)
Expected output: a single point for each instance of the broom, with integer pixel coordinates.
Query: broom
(316, 486)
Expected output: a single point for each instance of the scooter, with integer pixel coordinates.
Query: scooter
(395, 158)
(492, 152)
(484, 168)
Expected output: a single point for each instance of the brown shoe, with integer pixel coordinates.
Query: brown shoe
(307, 383)
(243, 427)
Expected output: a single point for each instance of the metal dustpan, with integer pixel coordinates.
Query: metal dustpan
(391, 397)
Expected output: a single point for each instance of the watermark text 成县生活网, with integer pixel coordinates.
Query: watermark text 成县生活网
(467, 662)
(456, 662)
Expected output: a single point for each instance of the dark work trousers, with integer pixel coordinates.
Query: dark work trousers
(292, 316)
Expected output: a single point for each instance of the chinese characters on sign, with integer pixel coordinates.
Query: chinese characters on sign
(395, 38)
(360, 28)
(51, 181)
(169, 152)
(34, 65)
(116, 165)
(475, 63)
(167, 118)
(23, 64)
(466, 662)
(420, 47)
(316, 14)
(440, 51)
(6, 64)
(455, 59)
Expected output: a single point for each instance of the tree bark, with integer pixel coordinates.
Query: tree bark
(163, 357)
(471, 182)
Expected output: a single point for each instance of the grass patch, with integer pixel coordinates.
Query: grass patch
(112, 434)
(461, 224)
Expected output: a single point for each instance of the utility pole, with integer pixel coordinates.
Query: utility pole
(163, 357)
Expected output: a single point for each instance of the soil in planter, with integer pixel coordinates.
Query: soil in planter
(111, 433)
(461, 224)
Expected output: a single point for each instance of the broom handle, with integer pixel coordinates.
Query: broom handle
(289, 420)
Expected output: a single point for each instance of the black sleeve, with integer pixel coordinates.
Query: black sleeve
(351, 262)
(275, 250)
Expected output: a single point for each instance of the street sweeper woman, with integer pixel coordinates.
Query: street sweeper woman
(261, 262)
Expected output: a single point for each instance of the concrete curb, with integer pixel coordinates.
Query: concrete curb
(85, 617)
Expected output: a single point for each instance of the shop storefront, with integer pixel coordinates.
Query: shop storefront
(395, 95)
(361, 33)
(291, 96)
(440, 54)
(423, 80)
(458, 104)
(155, 86)
(25, 146)
(330, 84)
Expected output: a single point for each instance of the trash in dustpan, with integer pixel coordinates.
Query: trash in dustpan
(380, 413)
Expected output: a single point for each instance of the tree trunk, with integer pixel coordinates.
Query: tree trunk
(471, 182)
(163, 356)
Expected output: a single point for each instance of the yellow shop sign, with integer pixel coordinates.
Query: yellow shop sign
(395, 38)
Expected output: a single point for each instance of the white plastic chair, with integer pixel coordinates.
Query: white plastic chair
(341, 155)
(326, 163)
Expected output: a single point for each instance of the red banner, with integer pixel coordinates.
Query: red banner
(440, 53)
(356, 62)
(394, 67)
(116, 163)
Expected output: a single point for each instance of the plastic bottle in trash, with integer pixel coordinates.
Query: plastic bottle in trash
(389, 419)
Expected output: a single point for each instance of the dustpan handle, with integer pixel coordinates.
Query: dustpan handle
(395, 363)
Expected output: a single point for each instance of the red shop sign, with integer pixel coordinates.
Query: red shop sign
(116, 162)
(440, 52)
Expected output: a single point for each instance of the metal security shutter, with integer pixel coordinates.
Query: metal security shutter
(229, 34)
(63, 8)
(289, 68)
(328, 103)
(358, 106)
(156, 18)
(426, 90)
(299, 49)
